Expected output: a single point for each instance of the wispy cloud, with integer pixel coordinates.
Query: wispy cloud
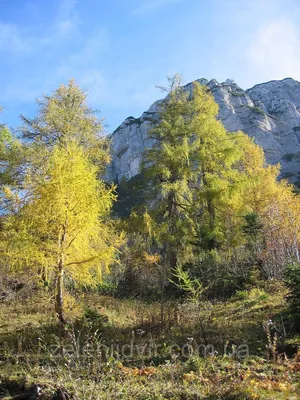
(67, 19)
(82, 60)
(150, 6)
(16, 40)
(13, 40)
(26, 44)
(275, 50)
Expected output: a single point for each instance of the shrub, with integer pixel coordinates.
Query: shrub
(237, 94)
(256, 110)
(92, 315)
(241, 295)
(253, 294)
(289, 156)
(292, 281)
(107, 288)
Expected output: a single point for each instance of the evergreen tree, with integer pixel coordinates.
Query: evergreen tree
(66, 116)
(60, 225)
(205, 181)
(190, 169)
(11, 159)
(169, 170)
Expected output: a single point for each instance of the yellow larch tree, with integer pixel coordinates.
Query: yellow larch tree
(60, 226)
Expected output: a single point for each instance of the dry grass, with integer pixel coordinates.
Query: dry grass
(28, 328)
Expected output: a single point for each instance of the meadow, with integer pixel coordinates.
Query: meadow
(115, 349)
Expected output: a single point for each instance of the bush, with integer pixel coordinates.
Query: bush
(92, 315)
(107, 288)
(289, 156)
(253, 294)
(292, 281)
(241, 295)
(257, 110)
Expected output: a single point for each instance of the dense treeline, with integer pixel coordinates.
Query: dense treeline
(212, 217)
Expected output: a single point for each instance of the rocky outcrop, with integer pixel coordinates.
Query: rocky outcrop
(268, 112)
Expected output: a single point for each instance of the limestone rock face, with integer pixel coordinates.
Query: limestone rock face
(268, 112)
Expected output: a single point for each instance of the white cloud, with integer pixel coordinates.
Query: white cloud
(150, 6)
(274, 52)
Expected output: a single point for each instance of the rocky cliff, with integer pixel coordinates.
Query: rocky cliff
(268, 112)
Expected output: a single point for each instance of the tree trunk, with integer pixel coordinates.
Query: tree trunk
(59, 285)
(171, 252)
(212, 244)
(59, 301)
(212, 217)
(162, 297)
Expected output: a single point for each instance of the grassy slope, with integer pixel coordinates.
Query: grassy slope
(34, 350)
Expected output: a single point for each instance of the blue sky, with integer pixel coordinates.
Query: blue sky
(120, 49)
